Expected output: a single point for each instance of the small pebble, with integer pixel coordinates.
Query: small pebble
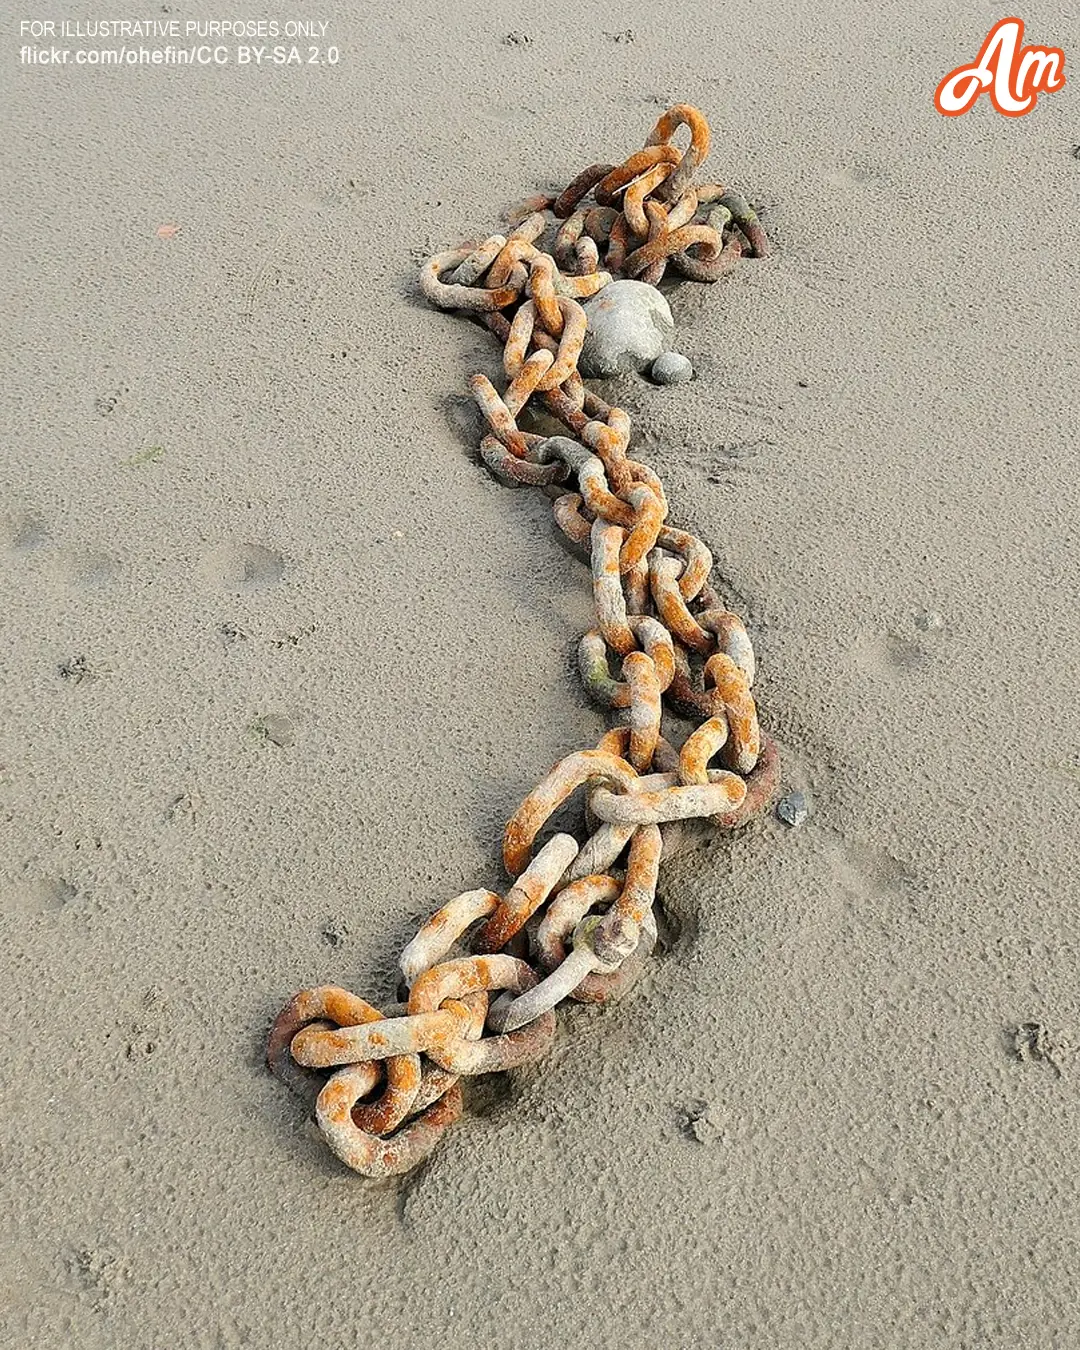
(672, 368)
(334, 933)
(279, 730)
(700, 1123)
(793, 809)
(231, 633)
(76, 670)
(928, 620)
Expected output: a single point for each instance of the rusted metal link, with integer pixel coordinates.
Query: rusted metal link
(685, 694)
(566, 202)
(586, 970)
(699, 747)
(644, 722)
(527, 381)
(592, 479)
(659, 226)
(609, 951)
(641, 473)
(451, 981)
(515, 472)
(710, 267)
(564, 779)
(527, 894)
(619, 242)
(684, 210)
(499, 417)
(679, 183)
(571, 330)
(617, 933)
(515, 254)
(606, 843)
(529, 230)
(566, 509)
(670, 605)
(696, 557)
(745, 217)
(641, 162)
(608, 439)
(743, 745)
(541, 290)
(598, 223)
(574, 251)
(634, 202)
(669, 800)
(448, 296)
(564, 249)
(683, 115)
(364, 1151)
(647, 523)
(325, 1006)
(320, 1047)
(445, 927)
(608, 595)
(731, 638)
(478, 262)
(675, 242)
(586, 258)
(654, 640)
(562, 917)
(508, 1014)
(513, 215)
(762, 786)
(581, 287)
(636, 590)
(566, 911)
(323, 1009)
(600, 851)
(596, 673)
(435, 1082)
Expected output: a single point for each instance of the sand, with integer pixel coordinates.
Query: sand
(279, 659)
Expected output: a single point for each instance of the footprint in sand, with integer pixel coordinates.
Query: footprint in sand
(860, 174)
(863, 872)
(25, 535)
(86, 571)
(242, 567)
(904, 651)
(35, 895)
(22, 532)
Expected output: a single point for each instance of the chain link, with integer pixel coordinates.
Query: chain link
(587, 921)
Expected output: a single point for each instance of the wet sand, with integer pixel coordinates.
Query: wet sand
(280, 658)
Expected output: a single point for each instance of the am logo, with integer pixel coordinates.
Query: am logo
(1010, 74)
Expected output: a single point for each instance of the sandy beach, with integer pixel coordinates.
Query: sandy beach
(280, 658)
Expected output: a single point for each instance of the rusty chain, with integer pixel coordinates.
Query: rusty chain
(577, 921)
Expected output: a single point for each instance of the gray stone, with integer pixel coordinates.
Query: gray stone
(629, 323)
(928, 620)
(672, 368)
(793, 809)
